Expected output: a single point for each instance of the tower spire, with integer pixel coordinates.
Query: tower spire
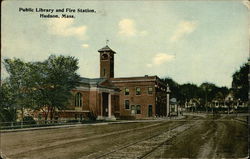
(106, 62)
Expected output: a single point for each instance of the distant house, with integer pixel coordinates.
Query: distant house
(174, 109)
(229, 97)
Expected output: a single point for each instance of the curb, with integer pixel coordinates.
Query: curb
(93, 124)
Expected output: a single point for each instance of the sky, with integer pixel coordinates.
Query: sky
(190, 41)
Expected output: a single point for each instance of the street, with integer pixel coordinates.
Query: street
(191, 137)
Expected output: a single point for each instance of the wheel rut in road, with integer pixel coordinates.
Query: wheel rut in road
(143, 148)
(64, 143)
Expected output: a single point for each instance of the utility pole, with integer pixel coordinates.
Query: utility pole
(0, 68)
(168, 111)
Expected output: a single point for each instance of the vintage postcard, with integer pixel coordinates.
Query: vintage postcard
(124, 79)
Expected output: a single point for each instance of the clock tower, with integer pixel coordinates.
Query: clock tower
(106, 62)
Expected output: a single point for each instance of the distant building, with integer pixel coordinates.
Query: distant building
(108, 97)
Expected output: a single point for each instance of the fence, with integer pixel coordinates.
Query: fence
(39, 123)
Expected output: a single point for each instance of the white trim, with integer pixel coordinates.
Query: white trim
(107, 90)
(168, 108)
(94, 89)
(109, 105)
(113, 81)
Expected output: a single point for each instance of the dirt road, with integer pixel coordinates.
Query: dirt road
(190, 138)
(213, 138)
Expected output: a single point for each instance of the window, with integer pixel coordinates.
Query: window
(126, 91)
(138, 109)
(126, 104)
(138, 91)
(104, 57)
(78, 99)
(150, 90)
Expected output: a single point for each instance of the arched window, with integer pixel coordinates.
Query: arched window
(78, 99)
(104, 57)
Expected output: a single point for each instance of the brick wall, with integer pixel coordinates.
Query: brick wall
(85, 100)
(157, 99)
(144, 99)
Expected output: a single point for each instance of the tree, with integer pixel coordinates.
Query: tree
(7, 110)
(240, 85)
(189, 91)
(202, 95)
(43, 85)
(57, 78)
(221, 93)
(18, 84)
(174, 87)
(209, 91)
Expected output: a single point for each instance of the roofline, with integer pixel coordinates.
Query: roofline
(107, 51)
(146, 76)
(110, 50)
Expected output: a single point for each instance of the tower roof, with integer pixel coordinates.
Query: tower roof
(106, 49)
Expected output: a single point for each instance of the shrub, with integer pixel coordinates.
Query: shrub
(29, 120)
(91, 116)
(127, 117)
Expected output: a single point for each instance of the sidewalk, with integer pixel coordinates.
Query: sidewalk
(94, 124)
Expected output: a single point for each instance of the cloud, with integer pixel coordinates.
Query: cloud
(127, 27)
(184, 28)
(246, 3)
(160, 58)
(85, 45)
(143, 33)
(149, 65)
(64, 27)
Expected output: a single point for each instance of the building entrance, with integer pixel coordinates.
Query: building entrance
(105, 101)
(150, 111)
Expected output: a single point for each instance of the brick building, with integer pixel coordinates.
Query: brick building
(108, 97)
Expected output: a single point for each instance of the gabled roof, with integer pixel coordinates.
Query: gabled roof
(92, 81)
(106, 49)
(97, 82)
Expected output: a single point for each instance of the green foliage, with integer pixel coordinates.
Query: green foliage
(40, 85)
(190, 91)
(175, 87)
(29, 120)
(7, 115)
(57, 77)
(240, 85)
(7, 107)
(201, 95)
(19, 83)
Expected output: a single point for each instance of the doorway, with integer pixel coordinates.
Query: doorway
(150, 110)
(105, 104)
